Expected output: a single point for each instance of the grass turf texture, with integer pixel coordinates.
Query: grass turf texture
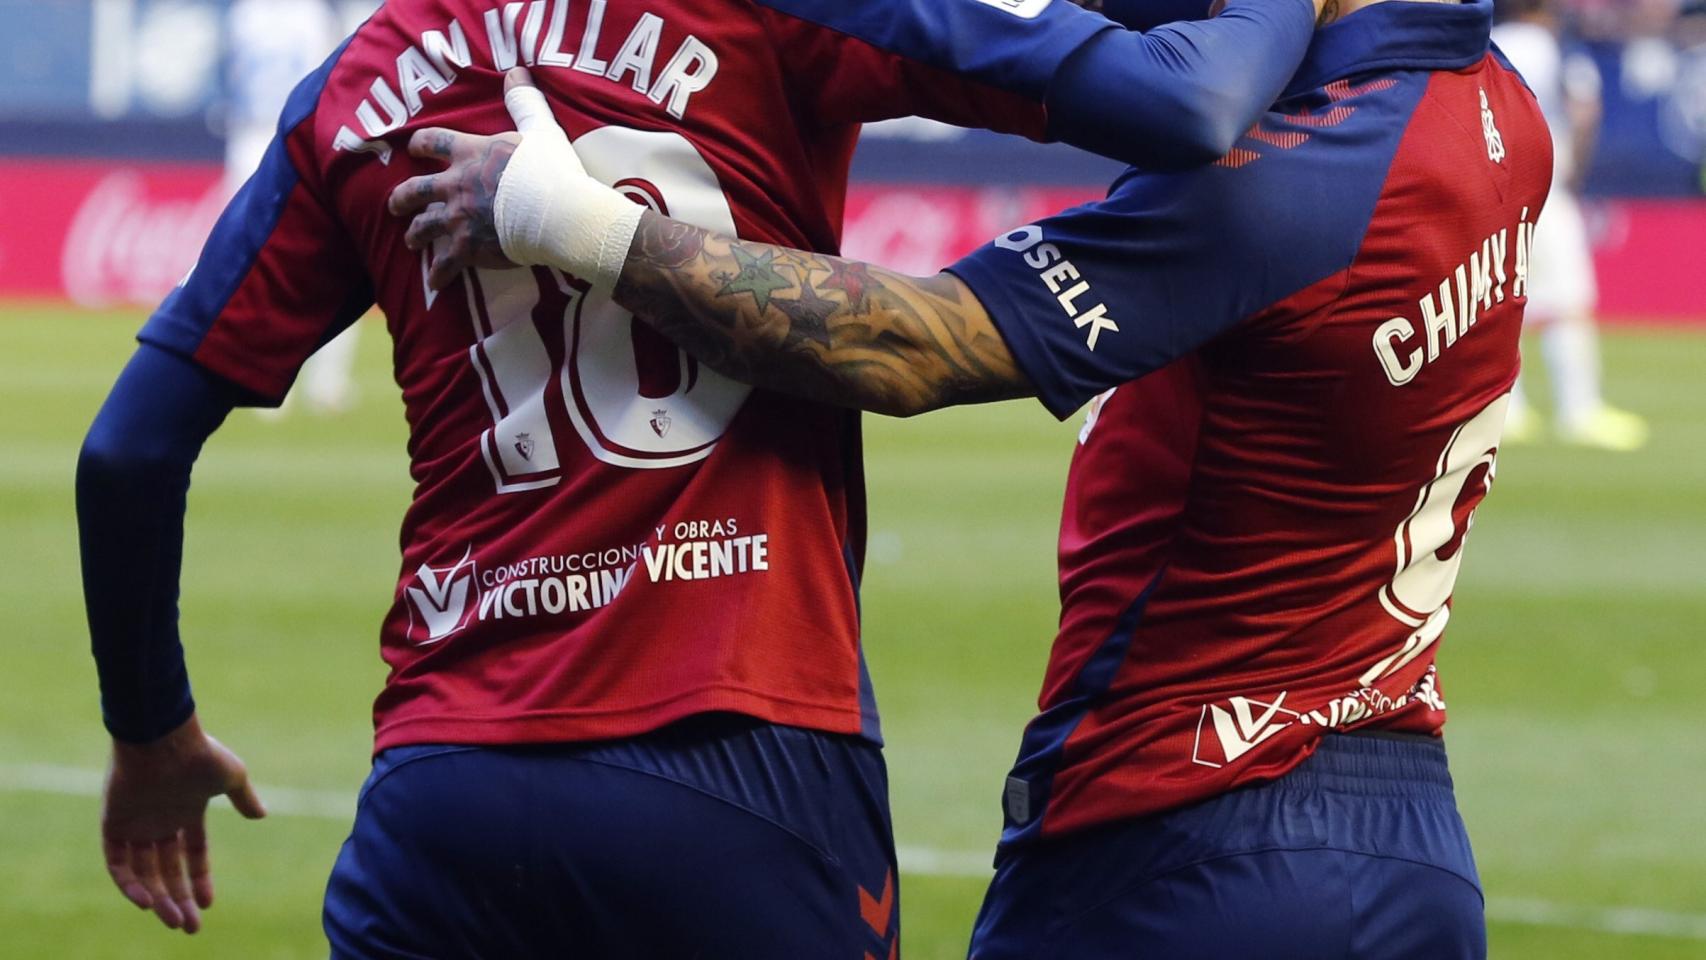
(1573, 668)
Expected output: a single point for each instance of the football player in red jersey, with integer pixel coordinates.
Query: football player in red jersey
(1298, 363)
(627, 707)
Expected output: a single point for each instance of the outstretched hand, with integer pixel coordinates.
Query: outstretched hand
(455, 212)
(153, 820)
(511, 199)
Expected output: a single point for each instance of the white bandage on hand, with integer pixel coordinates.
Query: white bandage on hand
(550, 211)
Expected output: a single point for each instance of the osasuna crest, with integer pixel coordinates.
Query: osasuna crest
(524, 445)
(1490, 130)
(661, 422)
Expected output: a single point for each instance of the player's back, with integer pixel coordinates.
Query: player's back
(605, 536)
(604, 532)
(1261, 539)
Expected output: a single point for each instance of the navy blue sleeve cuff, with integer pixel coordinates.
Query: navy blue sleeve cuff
(1022, 339)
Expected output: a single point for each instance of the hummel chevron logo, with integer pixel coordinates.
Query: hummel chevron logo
(1238, 728)
(878, 913)
(1280, 133)
(441, 597)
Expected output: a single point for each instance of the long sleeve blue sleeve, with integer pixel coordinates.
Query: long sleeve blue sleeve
(1177, 96)
(133, 479)
(1180, 95)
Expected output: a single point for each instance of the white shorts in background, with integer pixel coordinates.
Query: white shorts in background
(245, 146)
(1561, 278)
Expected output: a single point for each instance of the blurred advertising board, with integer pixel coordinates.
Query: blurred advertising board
(99, 233)
(157, 79)
(113, 115)
(105, 234)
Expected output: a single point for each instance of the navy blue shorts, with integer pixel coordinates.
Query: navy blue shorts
(720, 837)
(1359, 854)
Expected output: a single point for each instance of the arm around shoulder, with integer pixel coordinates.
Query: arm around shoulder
(829, 329)
(1183, 94)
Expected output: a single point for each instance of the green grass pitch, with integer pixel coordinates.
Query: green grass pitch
(1575, 668)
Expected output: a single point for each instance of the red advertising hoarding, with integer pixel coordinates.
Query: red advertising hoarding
(102, 235)
(98, 234)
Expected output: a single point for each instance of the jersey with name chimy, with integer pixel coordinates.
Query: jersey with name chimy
(1311, 348)
(605, 536)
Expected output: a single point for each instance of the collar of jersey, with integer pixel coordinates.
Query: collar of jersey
(1398, 35)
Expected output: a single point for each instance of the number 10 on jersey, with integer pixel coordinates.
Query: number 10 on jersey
(553, 354)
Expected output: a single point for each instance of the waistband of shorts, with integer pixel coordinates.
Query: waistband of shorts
(779, 773)
(1375, 764)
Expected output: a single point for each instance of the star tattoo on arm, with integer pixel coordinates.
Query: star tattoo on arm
(852, 278)
(825, 328)
(757, 275)
(808, 315)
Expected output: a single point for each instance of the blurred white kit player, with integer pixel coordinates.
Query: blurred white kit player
(1563, 293)
(272, 45)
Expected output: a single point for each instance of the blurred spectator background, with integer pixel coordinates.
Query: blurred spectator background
(114, 117)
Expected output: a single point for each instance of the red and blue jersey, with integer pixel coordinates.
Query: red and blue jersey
(1298, 363)
(606, 536)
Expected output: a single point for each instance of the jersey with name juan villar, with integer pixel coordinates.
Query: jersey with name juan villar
(606, 536)
(1311, 348)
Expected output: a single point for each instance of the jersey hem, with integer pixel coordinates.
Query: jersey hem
(1046, 827)
(580, 727)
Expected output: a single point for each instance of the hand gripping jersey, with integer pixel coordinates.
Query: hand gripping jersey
(606, 536)
(1262, 533)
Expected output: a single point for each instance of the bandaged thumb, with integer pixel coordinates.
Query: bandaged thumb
(549, 211)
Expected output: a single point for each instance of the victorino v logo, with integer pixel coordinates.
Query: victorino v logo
(1238, 727)
(438, 600)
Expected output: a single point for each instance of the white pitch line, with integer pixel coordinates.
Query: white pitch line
(83, 782)
(962, 864)
(922, 861)
(1622, 921)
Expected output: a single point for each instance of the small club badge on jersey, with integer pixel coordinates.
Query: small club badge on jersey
(1490, 128)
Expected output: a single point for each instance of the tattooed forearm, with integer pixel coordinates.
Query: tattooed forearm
(817, 326)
